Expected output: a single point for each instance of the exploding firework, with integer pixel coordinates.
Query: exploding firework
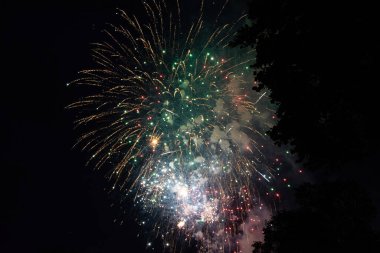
(172, 115)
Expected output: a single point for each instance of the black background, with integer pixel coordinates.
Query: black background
(51, 202)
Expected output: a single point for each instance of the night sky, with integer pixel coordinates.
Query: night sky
(50, 201)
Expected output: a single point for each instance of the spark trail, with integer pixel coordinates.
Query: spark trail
(172, 115)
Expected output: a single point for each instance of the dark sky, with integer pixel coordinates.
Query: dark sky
(51, 202)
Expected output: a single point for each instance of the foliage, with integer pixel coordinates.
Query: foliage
(331, 217)
(318, 60)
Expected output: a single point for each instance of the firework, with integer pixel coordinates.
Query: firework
(172, 115)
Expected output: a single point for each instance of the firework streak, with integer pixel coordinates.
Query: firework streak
(172, 115)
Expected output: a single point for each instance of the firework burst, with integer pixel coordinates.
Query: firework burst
(172, 114)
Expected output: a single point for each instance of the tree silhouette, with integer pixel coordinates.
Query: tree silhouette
(333, 217)
(318, 61)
